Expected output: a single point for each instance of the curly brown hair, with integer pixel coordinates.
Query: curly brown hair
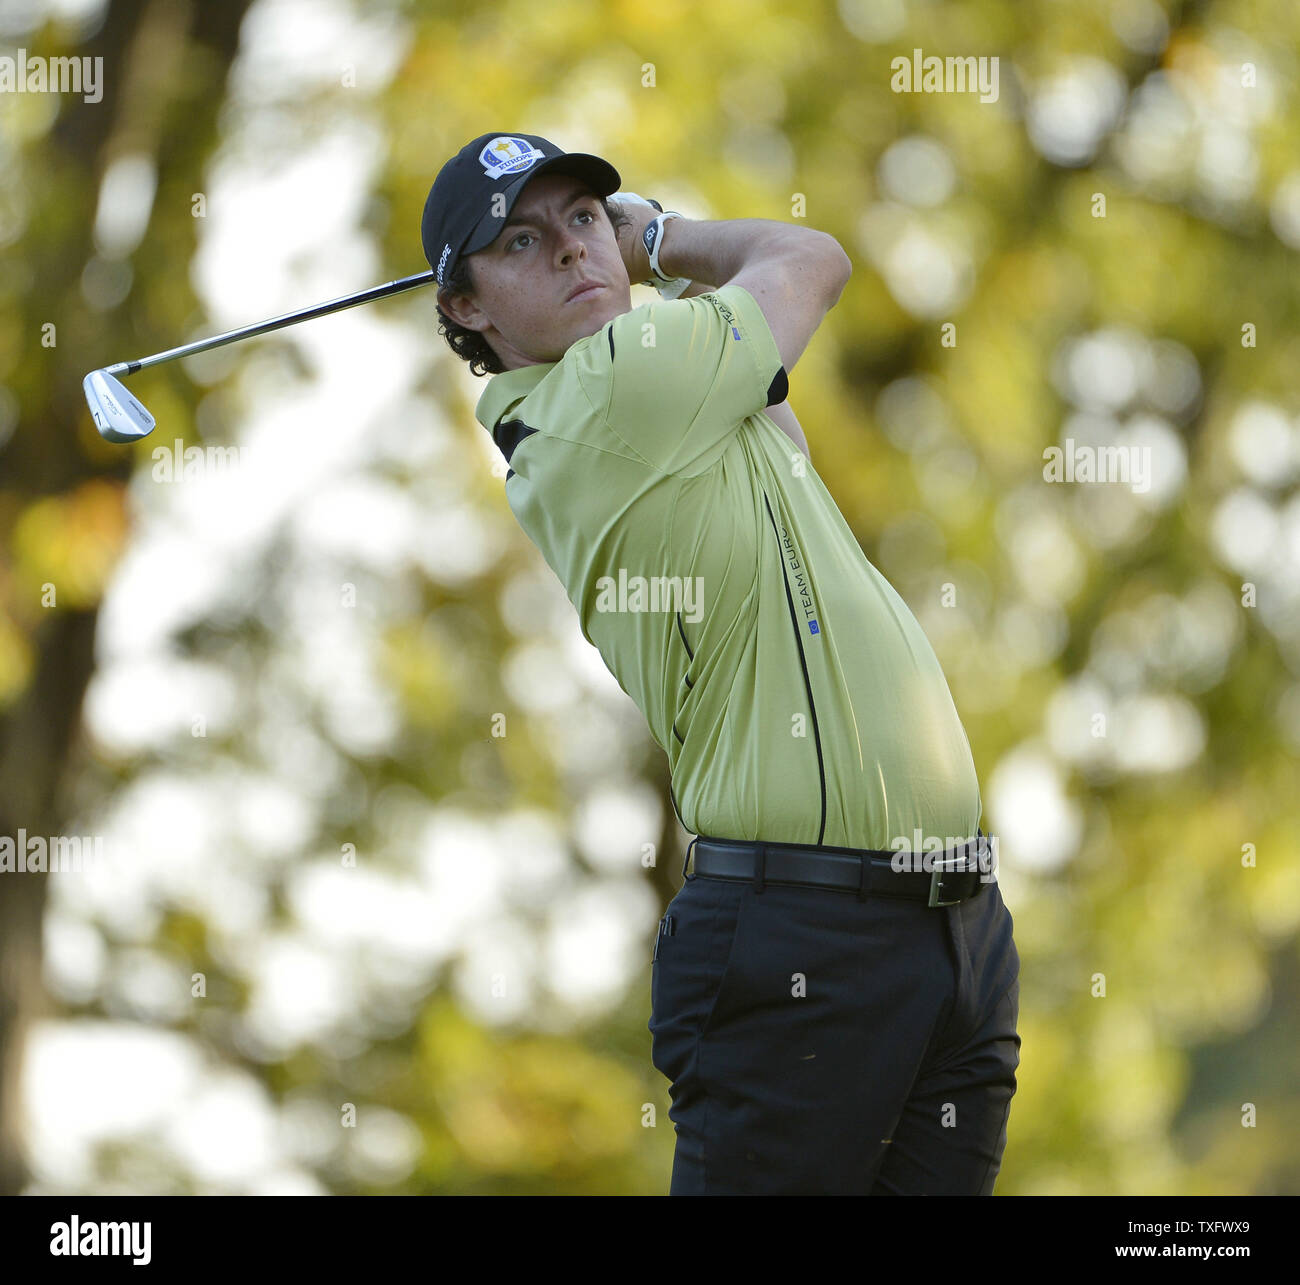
(470, 345)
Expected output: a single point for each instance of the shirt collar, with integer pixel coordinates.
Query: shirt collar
(505, 389)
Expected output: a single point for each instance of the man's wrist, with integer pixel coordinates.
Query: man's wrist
(652, 238)
(665, 233)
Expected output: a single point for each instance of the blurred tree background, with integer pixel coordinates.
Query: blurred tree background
(348, 936)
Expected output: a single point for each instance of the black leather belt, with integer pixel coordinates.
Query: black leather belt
(937, 878)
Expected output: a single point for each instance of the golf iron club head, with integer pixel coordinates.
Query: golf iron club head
(118, 415)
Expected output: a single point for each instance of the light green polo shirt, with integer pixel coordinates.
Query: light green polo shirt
(794, 692)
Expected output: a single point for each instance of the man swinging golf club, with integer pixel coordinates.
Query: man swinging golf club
(835, 988)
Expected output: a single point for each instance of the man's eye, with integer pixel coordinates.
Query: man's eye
(589, 213)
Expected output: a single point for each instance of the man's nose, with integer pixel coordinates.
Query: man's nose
(571, 246)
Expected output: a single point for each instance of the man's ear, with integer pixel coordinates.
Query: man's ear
(462, 309)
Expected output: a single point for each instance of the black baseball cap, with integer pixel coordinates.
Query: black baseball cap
(459, 217)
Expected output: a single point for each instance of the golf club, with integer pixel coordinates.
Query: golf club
(121, 417)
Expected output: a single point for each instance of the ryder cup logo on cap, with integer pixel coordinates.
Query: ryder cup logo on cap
(508, 156)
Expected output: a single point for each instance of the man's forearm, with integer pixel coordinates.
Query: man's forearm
(696, 288)
(717, 250)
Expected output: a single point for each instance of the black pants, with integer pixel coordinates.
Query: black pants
(816, 1044)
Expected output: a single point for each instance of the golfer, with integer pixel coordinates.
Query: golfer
(835, 988)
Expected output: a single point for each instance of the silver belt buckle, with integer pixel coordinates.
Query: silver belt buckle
(937, 873)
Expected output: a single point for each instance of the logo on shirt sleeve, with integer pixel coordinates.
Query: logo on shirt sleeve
(727, 315)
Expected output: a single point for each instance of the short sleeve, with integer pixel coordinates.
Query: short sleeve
(675, 378)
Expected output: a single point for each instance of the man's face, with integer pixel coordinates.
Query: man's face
(556, 239)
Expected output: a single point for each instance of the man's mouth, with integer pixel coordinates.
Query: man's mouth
(584, 292)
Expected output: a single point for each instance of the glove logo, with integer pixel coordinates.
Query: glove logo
(505, 155)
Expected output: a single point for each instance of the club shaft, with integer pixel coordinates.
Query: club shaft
(275, 323)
